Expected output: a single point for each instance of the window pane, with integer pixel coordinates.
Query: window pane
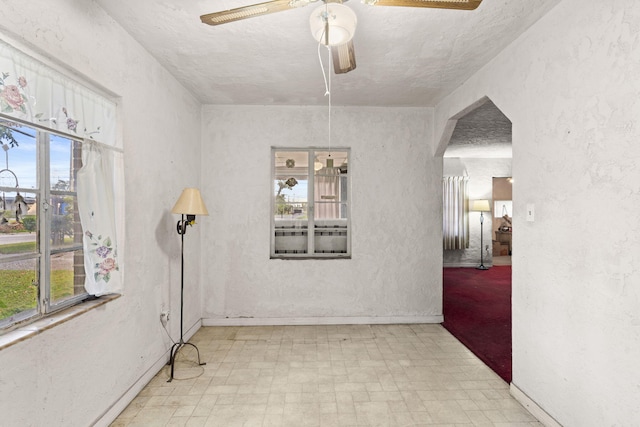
(290, 184)
(18, 224)
(330, 185)
(18, 208)
(291, 203)
(67, 275)
(66, 230)
(17, 171)
(330, 234)
(18, 295)
(331, 237)
(66, 159)
(18, 164)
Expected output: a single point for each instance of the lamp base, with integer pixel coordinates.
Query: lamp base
(174, 352)
(482, 267)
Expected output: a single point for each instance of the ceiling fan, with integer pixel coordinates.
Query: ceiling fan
(332, 24)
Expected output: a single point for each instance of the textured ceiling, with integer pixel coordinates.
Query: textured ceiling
(405, 56)
(482, 133)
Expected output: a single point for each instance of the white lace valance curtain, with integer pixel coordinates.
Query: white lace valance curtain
(34, 92)
(455, 221)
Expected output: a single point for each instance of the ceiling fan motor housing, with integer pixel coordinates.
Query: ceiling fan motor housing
(333, 24)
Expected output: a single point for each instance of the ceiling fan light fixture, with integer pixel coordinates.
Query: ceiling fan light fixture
(341, 22)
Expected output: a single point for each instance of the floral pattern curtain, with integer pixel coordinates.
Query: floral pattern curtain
(96, 182)
(36, 93)
(455, 220)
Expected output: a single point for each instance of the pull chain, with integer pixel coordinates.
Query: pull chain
(327, 82)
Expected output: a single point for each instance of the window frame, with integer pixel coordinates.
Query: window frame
(311, 204)
(44, 246)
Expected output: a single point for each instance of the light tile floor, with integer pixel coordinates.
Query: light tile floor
(352, 375)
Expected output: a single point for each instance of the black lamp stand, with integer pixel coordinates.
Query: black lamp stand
(175, 348)
(481, 266)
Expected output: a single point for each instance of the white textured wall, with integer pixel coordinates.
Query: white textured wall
(570, 86)
(395, 271)
(481, 173)
(70, 375)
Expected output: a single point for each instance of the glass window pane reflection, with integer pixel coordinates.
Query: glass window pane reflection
(18, 295)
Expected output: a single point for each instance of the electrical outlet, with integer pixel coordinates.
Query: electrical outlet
(164, 317)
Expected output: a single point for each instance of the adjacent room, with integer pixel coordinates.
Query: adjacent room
(225, 189)
(477, 230)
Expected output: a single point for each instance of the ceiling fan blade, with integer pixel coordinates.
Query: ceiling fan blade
(246, 12)
(440, 4)
(343, 57)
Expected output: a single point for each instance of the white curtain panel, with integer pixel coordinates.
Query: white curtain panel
(327, 194)
(455, 218)
(96, 206)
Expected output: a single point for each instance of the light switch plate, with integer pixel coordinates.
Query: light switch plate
(530, 212)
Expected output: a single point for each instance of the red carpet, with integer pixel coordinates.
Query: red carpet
(477, 311)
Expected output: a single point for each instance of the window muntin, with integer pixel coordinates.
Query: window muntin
(310, 192)
(41, 258)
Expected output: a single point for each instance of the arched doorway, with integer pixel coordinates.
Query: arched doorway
(477, 303)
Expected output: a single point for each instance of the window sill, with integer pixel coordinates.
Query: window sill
(32, 329)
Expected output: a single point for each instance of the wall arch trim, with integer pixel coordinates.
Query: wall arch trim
(450, 125)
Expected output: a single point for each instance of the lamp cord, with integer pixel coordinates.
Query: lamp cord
(168, 334)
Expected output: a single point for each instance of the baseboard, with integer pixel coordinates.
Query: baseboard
(531, 406)
(464, 264)
(121, 404)
(293, 321)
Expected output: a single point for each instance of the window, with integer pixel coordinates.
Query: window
(455, 212)
(502, 208)
(51, 124)
(310, 203)
(41, 256)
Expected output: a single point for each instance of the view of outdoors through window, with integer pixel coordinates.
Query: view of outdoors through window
(41, 259)
(310, 189)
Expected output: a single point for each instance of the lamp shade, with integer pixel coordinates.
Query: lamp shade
(342, 24)
(481, 205)
(190, 203)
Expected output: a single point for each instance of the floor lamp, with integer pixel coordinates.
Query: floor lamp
(481, 206)
(188, 205)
